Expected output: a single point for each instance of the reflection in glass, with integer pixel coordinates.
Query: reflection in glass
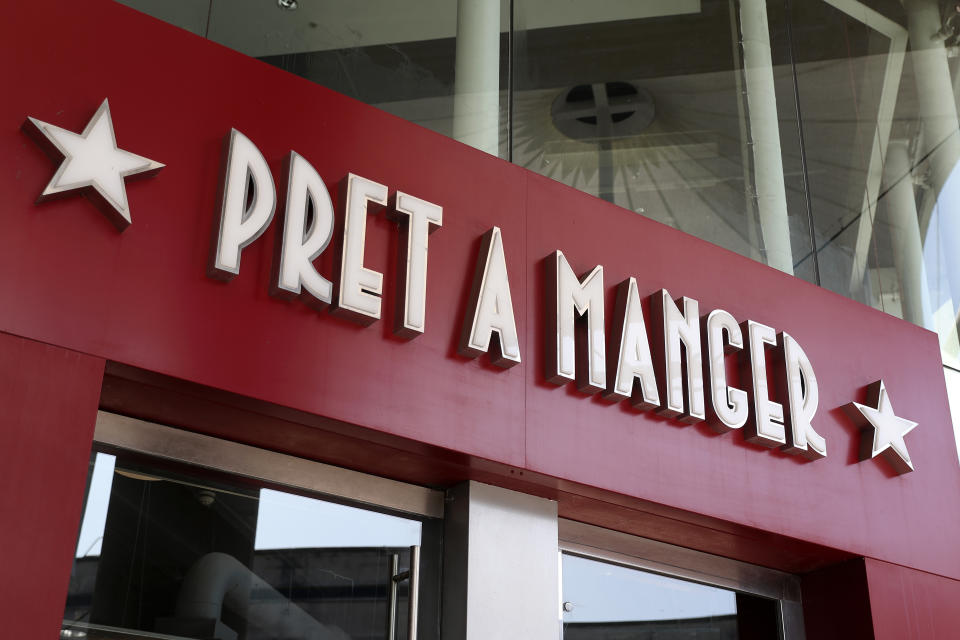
(670, 110)
(876, 83)
(940, 296)
(191, 555)
(413, 59)
(604, 601)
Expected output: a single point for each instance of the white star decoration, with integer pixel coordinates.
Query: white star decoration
(93, 163)
(888, 429)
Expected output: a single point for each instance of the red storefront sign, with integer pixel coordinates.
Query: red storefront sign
(143, 298)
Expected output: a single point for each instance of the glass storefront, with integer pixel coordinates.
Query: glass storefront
(185, 536)
(167, 550)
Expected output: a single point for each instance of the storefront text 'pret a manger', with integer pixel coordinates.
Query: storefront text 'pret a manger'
(677, 367)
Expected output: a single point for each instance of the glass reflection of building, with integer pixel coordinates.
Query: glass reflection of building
(818, 137)
(604, 601)
(183, 553)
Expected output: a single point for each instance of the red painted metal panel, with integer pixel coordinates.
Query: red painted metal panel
(141, 298)
(48, 397)
(906, 603)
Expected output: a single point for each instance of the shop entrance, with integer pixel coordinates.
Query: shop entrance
(202, 538)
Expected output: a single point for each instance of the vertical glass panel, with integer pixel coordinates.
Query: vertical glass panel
(670, 109)
(848, 63)
(878, 103)
(90, 541)
(166, 553)
(953, 395)
(414, 59)
(602, 600)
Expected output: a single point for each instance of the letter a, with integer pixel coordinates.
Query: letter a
(491, 309)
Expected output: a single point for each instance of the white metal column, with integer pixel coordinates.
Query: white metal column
(765, 135)
(938, 114)
(501, 568)
(901, 209)
(938, 111)
(476, 100)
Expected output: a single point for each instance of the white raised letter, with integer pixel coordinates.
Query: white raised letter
(765, 426)
(422, 218)
(671, 330)
(359, 288)
(632, 364)
(804, 396)
(566, 296)
(305, 192)
(245, 171)
(729, 406)
(490, 310)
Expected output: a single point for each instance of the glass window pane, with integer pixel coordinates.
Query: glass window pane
(603, 601)
(877, 84)
(681, 111)
(185, 553)
(398, 56)
(288, 521)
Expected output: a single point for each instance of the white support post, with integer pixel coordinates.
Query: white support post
(501, 567)
(938, 111)
(476, 100)
(765, 133)
(901, 210)
(938, 115)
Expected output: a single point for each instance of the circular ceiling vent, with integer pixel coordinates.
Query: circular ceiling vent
(603, 110)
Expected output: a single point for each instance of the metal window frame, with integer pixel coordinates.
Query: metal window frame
(278, 469)
(605, 545)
